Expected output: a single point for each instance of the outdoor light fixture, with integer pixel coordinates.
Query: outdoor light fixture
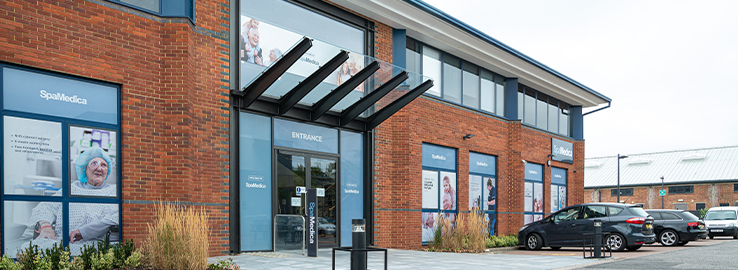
(468, 136)
(619, 158)
(549, 161)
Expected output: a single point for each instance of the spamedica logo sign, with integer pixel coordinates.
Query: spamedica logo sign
(59, 96)
(62, 97)
(562, 151)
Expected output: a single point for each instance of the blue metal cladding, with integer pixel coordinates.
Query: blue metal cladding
(511, 99)
(558, 176)
(577, 122)
(255, 165)
(34, 92)
(533, 172)
(399, 43)
(352, 183)
(439, 157)
(303, 136)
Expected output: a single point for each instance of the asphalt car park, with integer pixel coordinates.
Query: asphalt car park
(644, 250)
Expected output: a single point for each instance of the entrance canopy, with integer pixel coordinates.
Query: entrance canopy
(317, 82)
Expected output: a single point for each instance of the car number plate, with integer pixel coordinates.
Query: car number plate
(649, 226)
(716, 230)
(702, 227)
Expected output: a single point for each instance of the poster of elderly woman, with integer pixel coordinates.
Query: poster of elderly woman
(93, 160)
(92, 173)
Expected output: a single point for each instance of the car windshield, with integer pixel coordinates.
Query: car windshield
(638, 211)
(720, 215)
(689, 216)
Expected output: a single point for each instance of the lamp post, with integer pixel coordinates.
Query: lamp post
(662, 188)
(619, 158)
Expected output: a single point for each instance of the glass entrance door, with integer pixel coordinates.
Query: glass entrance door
(292, 173)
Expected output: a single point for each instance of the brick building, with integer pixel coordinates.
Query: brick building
(692, 179)
(302, 94)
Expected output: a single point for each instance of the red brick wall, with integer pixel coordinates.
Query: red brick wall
(398, 166)
(711, 194)
(174, 98)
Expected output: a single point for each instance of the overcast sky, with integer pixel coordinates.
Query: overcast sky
(670, 67)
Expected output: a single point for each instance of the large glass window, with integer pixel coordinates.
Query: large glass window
(563, 119)
(487, 95)
(451, 79)
(500, 89)
(681, 189)
(169, 8)
(458, 81)
(541, 112)
(438, 188)
(530, 108)
(533, 195)
(412, 56)
(521, 102)
(483, 186)
(432, 69)
(558, 189)
(63, 164)
(471, 85)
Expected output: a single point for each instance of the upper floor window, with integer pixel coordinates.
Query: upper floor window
(623, 192)
(542, 111)
(681, 189)
(456, 80)
(169, 8)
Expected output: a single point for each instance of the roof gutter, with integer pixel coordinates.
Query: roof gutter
(608, 106)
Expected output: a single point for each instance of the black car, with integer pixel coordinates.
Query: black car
(623, 226)
(676, 227)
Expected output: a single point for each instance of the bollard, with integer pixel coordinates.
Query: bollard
(358, 242)
(598, 238)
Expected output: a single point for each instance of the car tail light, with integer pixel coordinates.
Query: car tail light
(636, 220)
(639, 243)
(693, 224)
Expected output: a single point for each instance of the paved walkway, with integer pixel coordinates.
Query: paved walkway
(407, 259)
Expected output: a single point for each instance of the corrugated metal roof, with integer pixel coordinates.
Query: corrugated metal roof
(683, 166)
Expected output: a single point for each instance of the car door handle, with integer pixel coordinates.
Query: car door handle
(573, 225)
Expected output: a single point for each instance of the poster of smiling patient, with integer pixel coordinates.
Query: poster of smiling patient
(93, 159)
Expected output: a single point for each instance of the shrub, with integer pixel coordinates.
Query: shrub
(223, 265)
(178, 238)
(502, 241)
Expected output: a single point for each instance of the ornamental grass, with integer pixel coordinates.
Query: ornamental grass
(178, 238)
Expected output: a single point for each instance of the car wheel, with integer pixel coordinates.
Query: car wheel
(668, 238)
(533, 242)
(735, 236)
(711, 237)
(633, 248)
(616, 242)
(555, 248)
(682, 243)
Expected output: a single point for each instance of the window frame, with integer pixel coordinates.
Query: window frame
(66, 123)
(681, 189)
(498, 93)
(623, 192)
(189, 8)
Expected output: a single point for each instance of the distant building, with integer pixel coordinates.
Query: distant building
(693, 179)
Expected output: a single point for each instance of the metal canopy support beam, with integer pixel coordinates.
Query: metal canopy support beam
(379, 117)
(304, 87)
(363, 104)
(262, 83)
(330, 100)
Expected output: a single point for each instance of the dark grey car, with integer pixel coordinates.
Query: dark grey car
(623, 226)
